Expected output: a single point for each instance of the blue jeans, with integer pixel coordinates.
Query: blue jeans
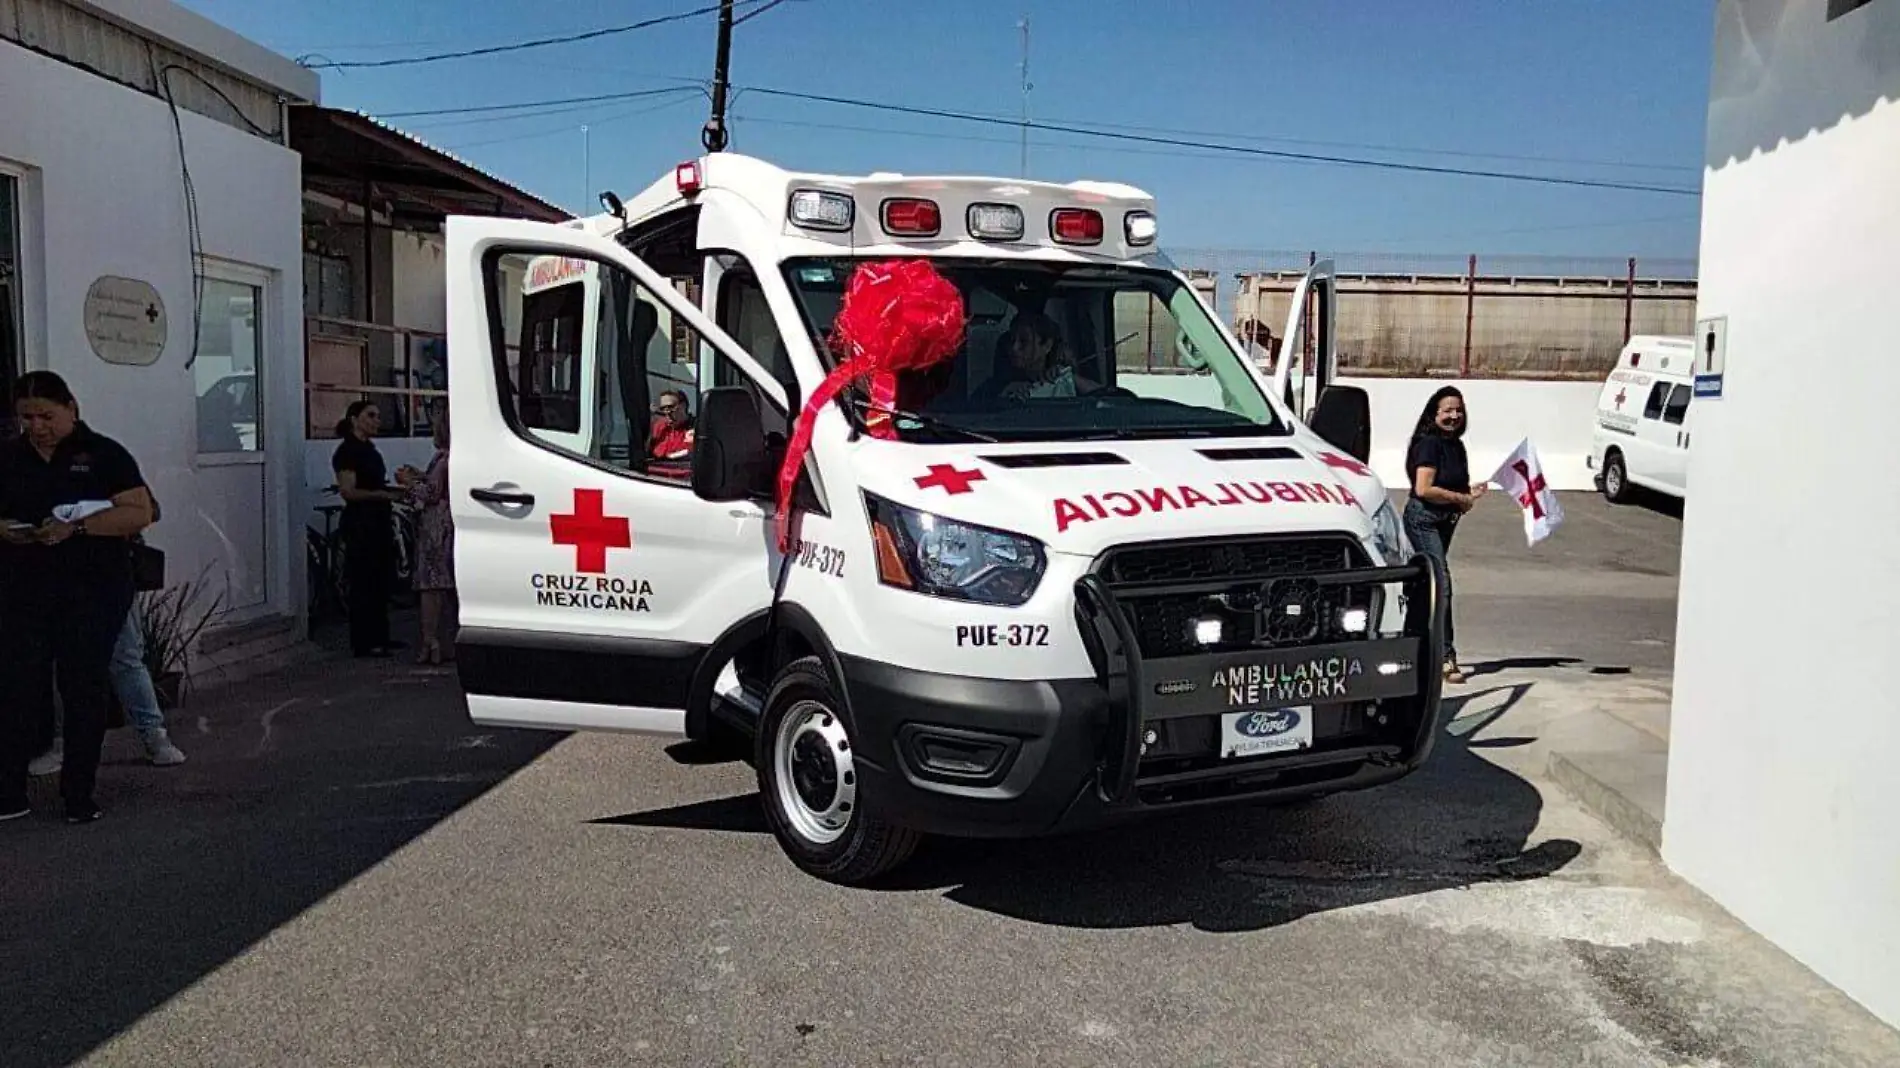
(131, 681)
(1431, 533)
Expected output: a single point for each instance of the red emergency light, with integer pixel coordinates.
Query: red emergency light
(1076, 226)
(686, 176)
(911, 217)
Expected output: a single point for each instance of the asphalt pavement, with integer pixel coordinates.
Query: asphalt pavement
(348, 873)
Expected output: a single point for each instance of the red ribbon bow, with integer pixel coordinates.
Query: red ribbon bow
(897, 315)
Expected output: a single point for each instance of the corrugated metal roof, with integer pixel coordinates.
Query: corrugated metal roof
(368, 119)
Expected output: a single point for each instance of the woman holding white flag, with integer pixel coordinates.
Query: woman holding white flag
(1441, 493)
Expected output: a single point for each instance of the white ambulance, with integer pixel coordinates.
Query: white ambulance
(1641, 436)
(1100, 571)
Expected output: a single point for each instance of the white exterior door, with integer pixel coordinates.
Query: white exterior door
(1673, 439)
(1296, 381)
(232, 515)
(1649, 455)
(595, 587)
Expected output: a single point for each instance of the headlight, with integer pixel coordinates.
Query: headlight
(1389, 535)
(941, 557)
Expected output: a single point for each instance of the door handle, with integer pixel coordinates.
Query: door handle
(489, 496)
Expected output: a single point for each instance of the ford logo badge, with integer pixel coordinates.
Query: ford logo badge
(1268, 724)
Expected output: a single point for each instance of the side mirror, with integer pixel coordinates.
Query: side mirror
(730, 459)
(1344, 420)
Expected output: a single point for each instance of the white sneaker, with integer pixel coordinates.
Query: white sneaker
(49, 762)
(159, 748)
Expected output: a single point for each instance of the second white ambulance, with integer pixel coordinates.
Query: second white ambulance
(1107, 568)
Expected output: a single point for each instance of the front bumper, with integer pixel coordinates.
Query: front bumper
(972, 757)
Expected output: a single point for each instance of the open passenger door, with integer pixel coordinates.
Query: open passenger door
(1308, 359)
(598, 589)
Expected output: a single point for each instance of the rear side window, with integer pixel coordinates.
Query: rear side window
(547, 371)
(1677, 407)
(1658, 399)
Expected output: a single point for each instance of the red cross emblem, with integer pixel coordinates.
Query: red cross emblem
(1621, 396)
(1534, 488)
(948, 479)
(591, 532)
(1344, 463)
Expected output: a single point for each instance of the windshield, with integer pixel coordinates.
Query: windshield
(1064, 351)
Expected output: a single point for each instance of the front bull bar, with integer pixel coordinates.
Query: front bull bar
(1113, 650)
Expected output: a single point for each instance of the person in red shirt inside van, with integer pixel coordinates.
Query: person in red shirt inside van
(670, 438)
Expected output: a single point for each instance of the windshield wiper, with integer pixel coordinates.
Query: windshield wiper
(1141, 433)
(926, 421)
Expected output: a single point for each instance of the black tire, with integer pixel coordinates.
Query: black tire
(864, 846)
(1616, 478)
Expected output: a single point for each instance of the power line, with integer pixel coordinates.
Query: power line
(1572, 161)
(536, 135)
(939, 135)
(479, 109)
(1108, 132)
(1244, 150)
(467, 53)
(755, 13)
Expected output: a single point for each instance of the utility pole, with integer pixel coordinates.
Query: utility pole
(713, 135)
(1024, 26)
(587, 165)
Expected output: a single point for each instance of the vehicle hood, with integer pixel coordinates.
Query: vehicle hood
(1084, 497)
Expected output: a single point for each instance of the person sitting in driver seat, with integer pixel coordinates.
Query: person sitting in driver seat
(670, 438)
(1040, 364)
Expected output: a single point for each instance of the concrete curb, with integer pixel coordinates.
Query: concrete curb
(1623, 788)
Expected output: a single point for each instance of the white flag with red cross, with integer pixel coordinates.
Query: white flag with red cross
(1522, 476)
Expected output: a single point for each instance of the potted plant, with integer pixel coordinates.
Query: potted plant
(170, 621)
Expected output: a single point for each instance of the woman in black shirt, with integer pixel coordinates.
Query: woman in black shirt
(69, 499)
(1441, 493)
(369, 558)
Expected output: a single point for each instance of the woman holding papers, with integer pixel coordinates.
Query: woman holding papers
(1441, 492)
(69, 499)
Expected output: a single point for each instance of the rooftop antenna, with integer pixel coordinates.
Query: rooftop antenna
(1024, 68)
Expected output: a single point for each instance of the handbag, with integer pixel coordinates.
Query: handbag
(148, 567)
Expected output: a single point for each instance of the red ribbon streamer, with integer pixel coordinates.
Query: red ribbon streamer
(897, 315)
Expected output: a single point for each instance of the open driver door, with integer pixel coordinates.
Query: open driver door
(1308, 360)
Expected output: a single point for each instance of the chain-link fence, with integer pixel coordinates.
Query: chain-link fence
(1469, 316)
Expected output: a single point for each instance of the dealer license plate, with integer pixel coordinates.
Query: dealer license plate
(1270, 730)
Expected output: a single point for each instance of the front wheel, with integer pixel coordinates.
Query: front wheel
(808, 783)
(1616, 478)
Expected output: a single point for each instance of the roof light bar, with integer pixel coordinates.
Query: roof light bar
(1139, 228)
(911, 217)
(1076, 226)
(994, 222)
(822, 209)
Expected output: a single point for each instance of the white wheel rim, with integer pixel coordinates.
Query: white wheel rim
(817, 782)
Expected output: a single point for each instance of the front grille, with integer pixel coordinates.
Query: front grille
(1163, 619)
(1252, 558)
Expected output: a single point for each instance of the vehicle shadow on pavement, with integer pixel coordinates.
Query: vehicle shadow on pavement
(1459, 821)
(296, 784)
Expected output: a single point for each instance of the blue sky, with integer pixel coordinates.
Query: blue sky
(1619, 86)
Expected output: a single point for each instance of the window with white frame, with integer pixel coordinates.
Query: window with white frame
(12, 334)
(227, 372)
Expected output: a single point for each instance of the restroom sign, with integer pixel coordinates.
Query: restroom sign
(1711, 355)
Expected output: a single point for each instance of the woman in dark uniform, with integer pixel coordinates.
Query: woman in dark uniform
(1441, 493)
(68, 584)
(369, 547)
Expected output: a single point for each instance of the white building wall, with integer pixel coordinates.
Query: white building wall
(103, 195)
(1783, 797)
